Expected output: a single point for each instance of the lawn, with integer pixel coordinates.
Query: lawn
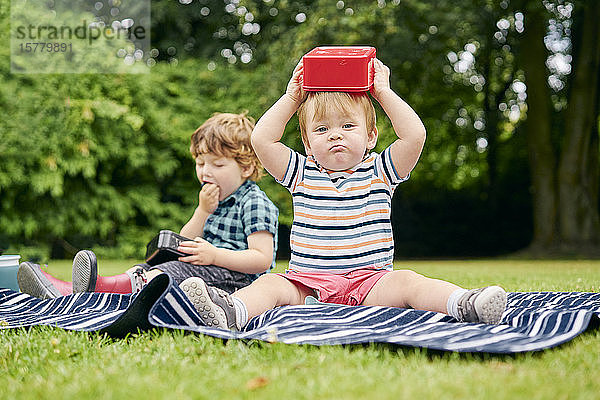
(48, 363)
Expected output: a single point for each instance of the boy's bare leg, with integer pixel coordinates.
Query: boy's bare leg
(270, 291)
(408, 289)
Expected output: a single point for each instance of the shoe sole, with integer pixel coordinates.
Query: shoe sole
(490, 305)
(85, 272)
(210, 313)
(32, 281)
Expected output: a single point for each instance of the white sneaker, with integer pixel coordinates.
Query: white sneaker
(485, 305)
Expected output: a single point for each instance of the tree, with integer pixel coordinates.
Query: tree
(578, 170)
(564, 172)
(538, 127)
(121, 141)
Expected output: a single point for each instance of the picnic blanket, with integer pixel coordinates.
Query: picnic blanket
(532, 321)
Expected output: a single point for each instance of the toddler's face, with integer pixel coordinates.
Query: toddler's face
(225, 172)
(339, 140)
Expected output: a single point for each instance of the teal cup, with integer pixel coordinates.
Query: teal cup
(9, 265)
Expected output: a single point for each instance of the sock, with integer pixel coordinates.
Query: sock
(452, 305)
(241, 313)
(138, 279)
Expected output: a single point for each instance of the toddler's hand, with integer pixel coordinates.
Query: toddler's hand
(381, 80)
(294, 87)
(208, 199)
(200, 252)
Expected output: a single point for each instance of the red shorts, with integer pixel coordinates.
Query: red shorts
(350, 288)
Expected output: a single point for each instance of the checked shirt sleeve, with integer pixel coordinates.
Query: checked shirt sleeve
(259, 214)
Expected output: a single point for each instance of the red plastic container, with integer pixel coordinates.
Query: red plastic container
(338, 68)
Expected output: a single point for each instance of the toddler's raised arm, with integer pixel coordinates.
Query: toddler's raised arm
(405, 151)
(268, 131)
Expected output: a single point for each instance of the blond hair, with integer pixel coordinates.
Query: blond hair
(228, 135)
(319, 104)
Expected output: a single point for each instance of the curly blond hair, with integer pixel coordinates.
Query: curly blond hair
(228, 135)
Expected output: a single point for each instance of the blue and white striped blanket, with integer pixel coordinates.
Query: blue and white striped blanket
(532, 321)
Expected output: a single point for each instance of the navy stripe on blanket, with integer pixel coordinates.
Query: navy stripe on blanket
(532, 321)
(82, 312)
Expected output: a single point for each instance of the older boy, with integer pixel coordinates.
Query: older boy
(341, 239)
(234, 225)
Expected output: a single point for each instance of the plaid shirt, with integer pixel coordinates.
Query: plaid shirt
(245, 211)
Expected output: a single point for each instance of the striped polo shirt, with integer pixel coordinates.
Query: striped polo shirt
(341, 218)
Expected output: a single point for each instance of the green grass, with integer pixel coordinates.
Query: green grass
(48, 363)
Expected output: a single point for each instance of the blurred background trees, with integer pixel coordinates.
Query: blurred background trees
(508, 91)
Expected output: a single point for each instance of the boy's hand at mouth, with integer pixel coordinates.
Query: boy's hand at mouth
(208, 199)
(200, 252)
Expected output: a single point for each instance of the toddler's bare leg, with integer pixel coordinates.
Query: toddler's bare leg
(270, 291)
(408, 289)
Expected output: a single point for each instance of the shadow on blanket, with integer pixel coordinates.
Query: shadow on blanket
(532, 321)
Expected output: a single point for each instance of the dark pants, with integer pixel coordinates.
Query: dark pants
(215, 276)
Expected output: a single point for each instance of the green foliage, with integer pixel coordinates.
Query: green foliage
(53, 37)
(459, 190)
(40, 253)
(103, 161)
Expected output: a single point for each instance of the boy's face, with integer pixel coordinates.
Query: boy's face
(225, 172)
(339, 140)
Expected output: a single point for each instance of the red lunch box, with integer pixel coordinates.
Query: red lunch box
(338, 68)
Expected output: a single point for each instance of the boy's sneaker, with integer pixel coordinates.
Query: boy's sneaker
(32, 281)
(214, 305)
(85, 271)
(484, 305)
